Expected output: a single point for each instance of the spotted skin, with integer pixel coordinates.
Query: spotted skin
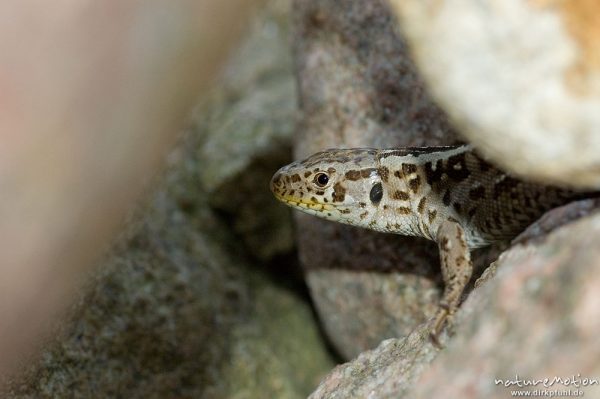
(446, 194)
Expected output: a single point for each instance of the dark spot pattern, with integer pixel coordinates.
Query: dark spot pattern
(434, 176)
(403, 210)
(421, 206)
(353, 175)
(339, 192)
(431, 215)
(506, 185)
(415, 184)
(384, 173)
(364, 173)
(400, 195)
(457, 207)
(457, 167)
(408, 168)
(446, 199)
(477, 193)
(376, 194)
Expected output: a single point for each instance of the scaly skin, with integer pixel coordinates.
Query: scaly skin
(446, 194)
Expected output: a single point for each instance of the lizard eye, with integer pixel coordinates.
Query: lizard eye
(321, 179)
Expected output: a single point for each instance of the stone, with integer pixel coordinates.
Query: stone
(386, 372)
(520, 79)
(247, 128)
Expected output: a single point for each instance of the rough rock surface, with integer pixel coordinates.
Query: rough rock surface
(358, 88)
(520, 78)
(388, 371)
(181, 306)
(536, 318)
(248, 135)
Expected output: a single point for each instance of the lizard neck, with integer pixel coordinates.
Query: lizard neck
(412, 205)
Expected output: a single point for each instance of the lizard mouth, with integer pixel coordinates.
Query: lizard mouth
(304, 203)
(282, 194)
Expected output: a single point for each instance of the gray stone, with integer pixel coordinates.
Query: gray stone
(247, 129)
(388, 371)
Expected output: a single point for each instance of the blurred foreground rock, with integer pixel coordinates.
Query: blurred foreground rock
(520, 78)
(87, 116)
(181, 306)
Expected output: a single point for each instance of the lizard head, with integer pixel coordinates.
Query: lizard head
(339, 185)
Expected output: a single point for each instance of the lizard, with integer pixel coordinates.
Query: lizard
(448, 194)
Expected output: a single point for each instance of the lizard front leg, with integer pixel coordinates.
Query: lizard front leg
(457, 270)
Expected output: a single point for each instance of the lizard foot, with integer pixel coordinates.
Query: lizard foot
(457, 270)
(442, 317)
